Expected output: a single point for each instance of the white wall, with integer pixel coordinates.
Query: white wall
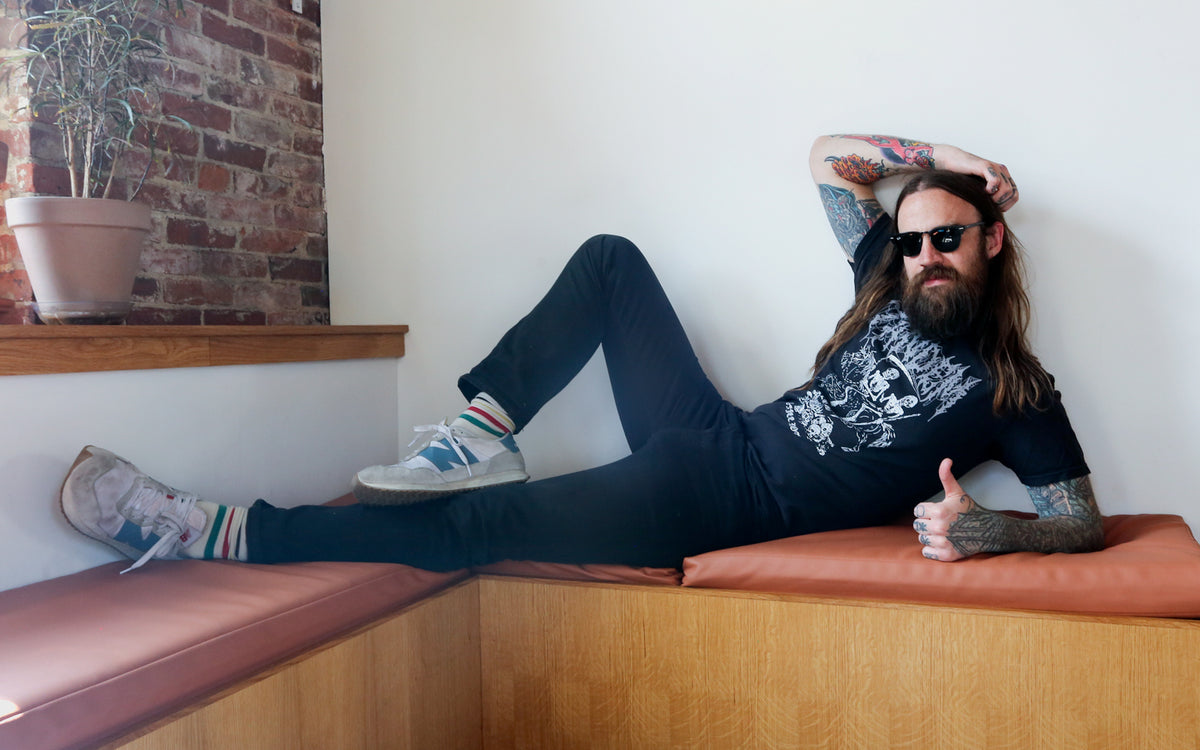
(291, 433)
(472, 145)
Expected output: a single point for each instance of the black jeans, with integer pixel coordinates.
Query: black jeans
(688, 486)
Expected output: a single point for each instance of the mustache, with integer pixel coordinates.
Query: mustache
(936, 273)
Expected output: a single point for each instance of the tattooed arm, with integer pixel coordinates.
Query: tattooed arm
(957, 527)
(845, 168)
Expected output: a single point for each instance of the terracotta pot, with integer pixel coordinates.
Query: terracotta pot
(81, 254)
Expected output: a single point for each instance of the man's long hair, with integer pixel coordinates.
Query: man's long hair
(1018, 377)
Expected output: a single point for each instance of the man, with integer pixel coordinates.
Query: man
(929, 369)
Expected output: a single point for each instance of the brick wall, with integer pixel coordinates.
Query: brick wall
(239, 220)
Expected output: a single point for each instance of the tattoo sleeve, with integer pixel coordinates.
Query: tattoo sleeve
(849, 216)
(1069, 521)
(900, 150)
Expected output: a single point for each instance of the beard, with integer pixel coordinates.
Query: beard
(947, 310)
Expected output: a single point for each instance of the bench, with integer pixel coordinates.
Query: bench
(843, 638)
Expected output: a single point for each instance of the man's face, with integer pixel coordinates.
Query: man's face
(942, 291)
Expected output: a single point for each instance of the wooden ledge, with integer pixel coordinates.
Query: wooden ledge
(36, 350)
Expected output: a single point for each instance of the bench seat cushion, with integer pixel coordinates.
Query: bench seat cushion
(1150, 566)
(99, 653)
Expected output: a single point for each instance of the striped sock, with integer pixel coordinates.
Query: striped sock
(484, 418)
(224, 535)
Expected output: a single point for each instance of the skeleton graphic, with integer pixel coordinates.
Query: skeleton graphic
(894, 375)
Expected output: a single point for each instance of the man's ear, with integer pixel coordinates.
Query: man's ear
(994, 238)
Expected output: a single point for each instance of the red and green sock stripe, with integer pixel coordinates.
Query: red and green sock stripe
(485, 417)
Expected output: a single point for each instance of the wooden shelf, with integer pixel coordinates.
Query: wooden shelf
(35, 350)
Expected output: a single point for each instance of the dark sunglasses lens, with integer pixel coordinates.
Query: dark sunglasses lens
(909, 243)
(946, 239)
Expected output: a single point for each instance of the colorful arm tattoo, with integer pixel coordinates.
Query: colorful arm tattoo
(1069, 522)
(856, 169)
(849, 216)
(900, 150)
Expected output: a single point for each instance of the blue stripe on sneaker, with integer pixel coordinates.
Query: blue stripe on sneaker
(444, 457)
(131, 534)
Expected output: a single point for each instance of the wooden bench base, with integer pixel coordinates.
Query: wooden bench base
(505, 662)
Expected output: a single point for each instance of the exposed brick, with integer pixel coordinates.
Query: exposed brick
(14, 285)
(9, 253)
(314, 317)
(240, 37)
(256, 295)
(314, 296)
(312, 144)
(235, 318)
(300, 112)
(158, 316)
(254, 13)
(240, 210)
(199, 234)
(317, 247)
(145, 288)
(221, 6)
(304, 219)
(173, 260)
(166, 197)
(309, 195)
(197, 291)
(309, 89)
(261, 186)
(199, 114)
(270, 132)
(238, 95)
(272, 241)
(240, 265)
(233, 152)
(292, 56)
(259, 73)
(49, 180)
(176, 79)
(297, 167)
(214, 178)
(238, 228)
(287, 268)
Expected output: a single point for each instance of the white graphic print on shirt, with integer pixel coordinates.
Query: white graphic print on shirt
(892, 376)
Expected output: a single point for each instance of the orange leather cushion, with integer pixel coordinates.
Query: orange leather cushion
(89, 655)
(1150, 566)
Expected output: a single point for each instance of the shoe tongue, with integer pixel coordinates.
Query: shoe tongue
(196, 521)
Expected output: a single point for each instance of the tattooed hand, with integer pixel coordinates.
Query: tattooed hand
(954, 528)
(1000, 183)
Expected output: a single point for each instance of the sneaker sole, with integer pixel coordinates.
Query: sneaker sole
(372, 495)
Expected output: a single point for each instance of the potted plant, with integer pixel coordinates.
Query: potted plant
(88, 66)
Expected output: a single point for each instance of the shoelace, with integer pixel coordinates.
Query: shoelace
(428, 431)
(164, 509)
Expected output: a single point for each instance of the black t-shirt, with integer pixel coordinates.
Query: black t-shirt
(861, 445)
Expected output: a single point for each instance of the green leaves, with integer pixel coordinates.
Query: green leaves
(90, 65)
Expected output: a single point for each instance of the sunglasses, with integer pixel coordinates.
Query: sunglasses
(944, 239)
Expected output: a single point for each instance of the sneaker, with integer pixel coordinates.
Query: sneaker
(446, 460)
(109, 499)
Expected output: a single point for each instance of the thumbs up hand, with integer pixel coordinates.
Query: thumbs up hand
(944, 528)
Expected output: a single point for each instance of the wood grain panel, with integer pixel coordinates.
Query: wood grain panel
(607, 666)
(409, 682)
(32, 350)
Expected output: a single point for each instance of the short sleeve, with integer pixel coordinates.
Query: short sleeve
(1040, 446)
(870, 250)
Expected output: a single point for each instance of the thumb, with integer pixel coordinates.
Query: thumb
(949, 483)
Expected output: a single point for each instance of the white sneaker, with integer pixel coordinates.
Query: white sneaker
(112, 501)
(446, 460)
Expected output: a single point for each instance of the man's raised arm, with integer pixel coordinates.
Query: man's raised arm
(845, 168)
(957, 527)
